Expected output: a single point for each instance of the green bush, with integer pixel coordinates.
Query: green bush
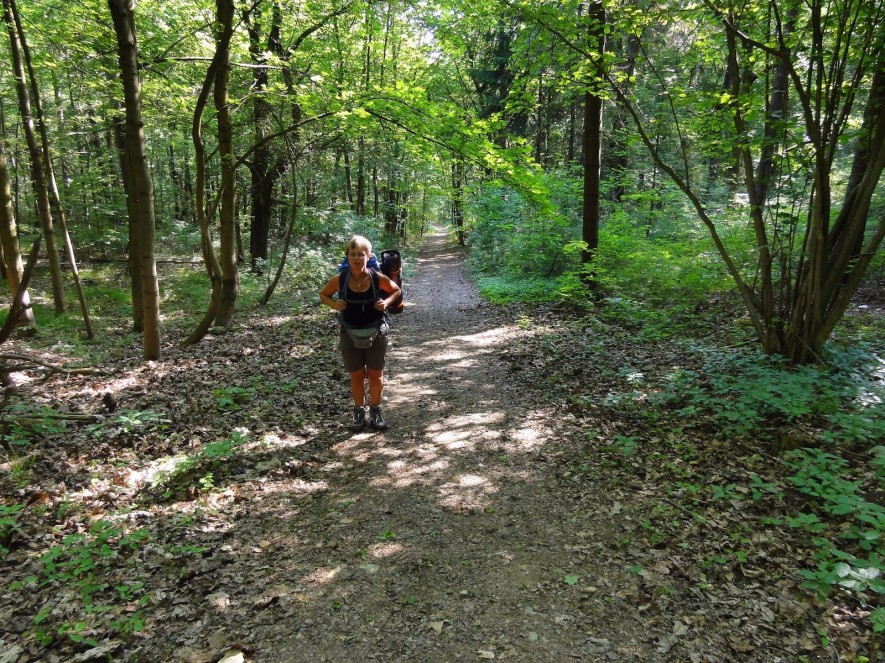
(750, 394)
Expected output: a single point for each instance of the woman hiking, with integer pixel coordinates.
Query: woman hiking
(361, 294)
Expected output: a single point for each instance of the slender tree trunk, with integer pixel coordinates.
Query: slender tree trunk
(12, 258)
(263, 174)
(617, 153)
(132, 208)
(738, 79)
(293, 215)
(52, 186)
(361, 178)
(593, 137)
(348, 177)
(843, 263)
(775, 113)
(540, 127)
(175, 179)
(204, 215)
(377, 197)
(140, 178)
(361, 145)
(62, 126)
(848, 232)
(188, 189)
(38, 170)
(13, 316)
(457, 198)
(391, 205)
(230, 278)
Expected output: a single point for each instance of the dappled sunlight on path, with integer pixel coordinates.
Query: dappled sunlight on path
(449, 397)
(434, 534)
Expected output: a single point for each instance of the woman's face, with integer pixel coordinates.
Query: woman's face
(357, 258)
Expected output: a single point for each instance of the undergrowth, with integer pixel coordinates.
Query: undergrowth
(804, 446)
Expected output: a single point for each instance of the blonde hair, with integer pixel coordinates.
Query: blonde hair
(359, 243)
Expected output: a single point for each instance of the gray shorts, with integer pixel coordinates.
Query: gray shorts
(355, 359)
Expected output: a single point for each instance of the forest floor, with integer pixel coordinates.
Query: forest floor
(224, 512)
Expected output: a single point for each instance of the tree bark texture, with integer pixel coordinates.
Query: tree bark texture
(11, 249)
(132, 208)
(11, 319)
(264, 174)
(230, 278)
(140, 176)
(593, 135)
(457, 199)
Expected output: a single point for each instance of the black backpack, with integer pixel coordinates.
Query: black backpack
(392, 268)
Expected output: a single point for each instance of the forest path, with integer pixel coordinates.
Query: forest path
(448, 537)
(530, 502)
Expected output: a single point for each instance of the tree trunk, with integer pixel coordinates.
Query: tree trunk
(457, 198)
(175, 181)
(38, 178)
(230, 278)
(12, 256)
(51, 184)
(140, 178)
(376, 201)
(843, 264)
(617, 154)
(293, 216)
(824, 263)
(348, 177)
(593, 138)
(132, 208)
(361, 178)
(11, 319)
(263, 174)
(391, 205)
(204, 214)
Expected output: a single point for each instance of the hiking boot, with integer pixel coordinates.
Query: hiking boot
(359, 419)
(376, 421)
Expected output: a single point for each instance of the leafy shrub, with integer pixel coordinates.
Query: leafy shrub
(8, 524)
(511, 238)
(504, 290)
(127, 422)
(78, 567)
(748, 394)
(28, 422)
(198, 467)
(662, 268)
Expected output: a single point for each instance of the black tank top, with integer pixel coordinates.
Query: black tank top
(361, 311)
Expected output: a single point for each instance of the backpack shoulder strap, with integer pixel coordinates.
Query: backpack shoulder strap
(376, 284)
(342, 282)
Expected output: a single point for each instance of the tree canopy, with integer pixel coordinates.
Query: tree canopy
(385, 109)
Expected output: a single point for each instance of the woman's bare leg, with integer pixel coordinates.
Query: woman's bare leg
(358, 386)
(376, 387)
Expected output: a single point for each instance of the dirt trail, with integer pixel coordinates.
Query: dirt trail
(495, 520)
(447, 537)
